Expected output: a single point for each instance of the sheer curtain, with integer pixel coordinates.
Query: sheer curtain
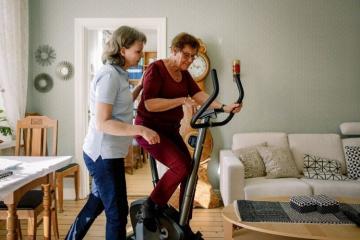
(14, 52)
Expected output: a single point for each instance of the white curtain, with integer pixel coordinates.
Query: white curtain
(14, 53)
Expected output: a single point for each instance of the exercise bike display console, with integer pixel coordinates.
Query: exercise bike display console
(171, 224)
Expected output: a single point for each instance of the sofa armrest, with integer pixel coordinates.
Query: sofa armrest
(232, 177)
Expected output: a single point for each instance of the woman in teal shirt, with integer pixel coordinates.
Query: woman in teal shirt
(109, 135)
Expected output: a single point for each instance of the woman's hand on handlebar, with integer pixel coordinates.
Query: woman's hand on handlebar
(233, 107)
(150, 135)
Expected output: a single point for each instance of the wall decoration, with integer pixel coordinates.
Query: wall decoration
(43, 82)
(64, 70)
(45, 55)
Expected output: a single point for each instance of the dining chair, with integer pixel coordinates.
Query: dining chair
(32, 139)
(72, 170)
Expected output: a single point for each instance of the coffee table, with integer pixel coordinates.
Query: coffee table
(275, 230)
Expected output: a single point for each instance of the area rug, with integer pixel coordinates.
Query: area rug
(264, 211)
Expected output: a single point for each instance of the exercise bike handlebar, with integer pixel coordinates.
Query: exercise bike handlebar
(212, 97)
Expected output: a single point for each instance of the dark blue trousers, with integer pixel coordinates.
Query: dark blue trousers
(109, 194)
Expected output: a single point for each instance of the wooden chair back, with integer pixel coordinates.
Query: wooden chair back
(33, 133)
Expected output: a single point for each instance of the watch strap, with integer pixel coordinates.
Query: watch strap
(222, 108)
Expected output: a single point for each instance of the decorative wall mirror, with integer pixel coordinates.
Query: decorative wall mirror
(43, 82)
(64, 70)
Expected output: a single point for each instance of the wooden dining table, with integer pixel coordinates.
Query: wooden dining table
(32, 172)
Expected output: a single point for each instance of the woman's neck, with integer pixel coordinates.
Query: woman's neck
(171, 64)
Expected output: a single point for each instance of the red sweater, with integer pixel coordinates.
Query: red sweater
(158, 83)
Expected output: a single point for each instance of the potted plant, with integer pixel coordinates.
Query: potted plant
(5, 129)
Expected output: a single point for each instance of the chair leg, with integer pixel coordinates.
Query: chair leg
(54, 219)
(77, 183)
(60, 193)
(55, 225)
(47, 203)
(19, 230)
(32, 225)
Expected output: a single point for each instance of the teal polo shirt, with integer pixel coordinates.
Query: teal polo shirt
(110, 85)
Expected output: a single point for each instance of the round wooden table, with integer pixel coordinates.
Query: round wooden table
(286, 231)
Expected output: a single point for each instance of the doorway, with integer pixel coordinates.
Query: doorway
(84, 29)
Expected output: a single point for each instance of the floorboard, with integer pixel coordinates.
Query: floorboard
(208, 221)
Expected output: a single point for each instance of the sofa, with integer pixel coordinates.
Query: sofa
(234, 185)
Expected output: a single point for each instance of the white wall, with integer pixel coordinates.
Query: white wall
(300, 58)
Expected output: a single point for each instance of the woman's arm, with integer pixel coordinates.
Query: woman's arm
(106, 124)
(138, 88)
(201, 97)
(163, 104)
(136, 91)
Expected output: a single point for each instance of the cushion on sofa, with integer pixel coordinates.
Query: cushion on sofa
(278, 162)
(325, 145)
(354, 166)
(242, 140)
(350, 128)
(312, 162)
(352, 156)
(334, 188)
(251, 159)
(261, 186)
(351, 141)
(316, 167)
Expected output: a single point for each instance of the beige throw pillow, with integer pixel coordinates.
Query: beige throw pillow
(253, 164)
(278, 162)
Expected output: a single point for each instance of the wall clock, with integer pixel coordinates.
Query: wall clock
(200, 67)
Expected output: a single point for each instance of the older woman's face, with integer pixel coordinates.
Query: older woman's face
(185, 57)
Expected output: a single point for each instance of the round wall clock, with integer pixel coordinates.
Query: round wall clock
(43, 82)
(200, 67)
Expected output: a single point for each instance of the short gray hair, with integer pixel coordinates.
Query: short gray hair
(124, 36)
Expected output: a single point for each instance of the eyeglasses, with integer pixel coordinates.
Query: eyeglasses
(188, 56)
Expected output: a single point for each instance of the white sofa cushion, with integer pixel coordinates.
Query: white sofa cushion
(323, 145)
(350, 128)
(351, 141)
(242, 140)
(334, 188)
(261, 186)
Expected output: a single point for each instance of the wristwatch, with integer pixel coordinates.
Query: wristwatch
(222, 108)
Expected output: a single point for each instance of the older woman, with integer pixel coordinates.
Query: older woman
(167, 86)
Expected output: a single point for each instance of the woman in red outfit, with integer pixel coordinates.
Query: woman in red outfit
(167, 86)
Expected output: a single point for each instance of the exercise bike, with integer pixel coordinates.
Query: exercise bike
(170, 222)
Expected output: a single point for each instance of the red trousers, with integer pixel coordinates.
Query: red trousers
(173, 153)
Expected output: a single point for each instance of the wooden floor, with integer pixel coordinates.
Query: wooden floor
(207, 221)
(139, 183)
